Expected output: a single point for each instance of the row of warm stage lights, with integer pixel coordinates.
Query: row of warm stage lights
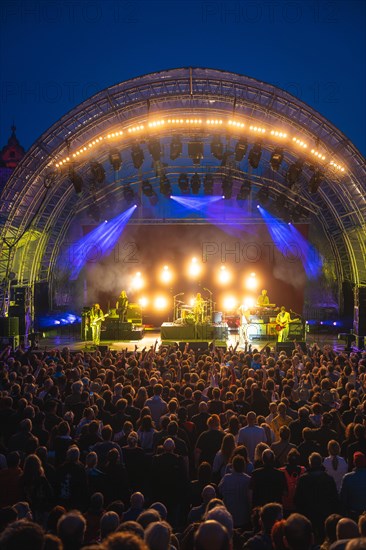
(259, 130)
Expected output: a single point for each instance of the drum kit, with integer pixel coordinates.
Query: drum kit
(200, 311)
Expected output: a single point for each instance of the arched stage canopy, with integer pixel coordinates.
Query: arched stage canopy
(39, 201)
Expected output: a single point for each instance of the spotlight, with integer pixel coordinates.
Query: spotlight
(251, 282)
(128, 194)
(137, 155)
(217, 148)
(143, 301)
(76, 180)
(249, 302)
(154, 149)
(276, 158)
(175, 148)
(97, 172)
(183, 183)
(147, 189)
(241, 149)
(195, 151)
(255, 155)
(230, 303)
(315, 181)
(115, 159)
(227, 187)
(166, 275)
(224, 275)
(208, 184)
(194, 268)
(165, 187)
(294, 173)
(137, 281)
(263, 196)
(160, 303)
(244, 191)
(195, 184)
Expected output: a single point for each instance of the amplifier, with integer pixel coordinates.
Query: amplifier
(134, 314)
(9, 326)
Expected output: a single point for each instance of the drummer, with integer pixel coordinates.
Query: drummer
(263, 299)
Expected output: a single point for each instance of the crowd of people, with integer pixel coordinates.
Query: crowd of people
(176, 449)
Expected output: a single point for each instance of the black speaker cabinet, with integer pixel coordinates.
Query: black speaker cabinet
(9, 326)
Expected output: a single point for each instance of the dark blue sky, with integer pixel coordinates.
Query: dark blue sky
(55, 54)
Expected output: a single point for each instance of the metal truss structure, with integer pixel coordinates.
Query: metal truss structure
(39, 202)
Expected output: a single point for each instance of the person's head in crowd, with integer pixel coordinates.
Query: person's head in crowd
(96, 503)
(158, 535)
(208, 493)
(284, 433)
(160, 508)
(268, 515)
(204, 473)
(298, 533)
(347, 529)
(137, 501)
(258, 452)
(107, 433)
(238, 464)
(148, 516)
(132, 439)
(131, 527)
(213, 422)
(53, 517)
(213, 503)
(32, 469)
(251, 418)
(169, 445)
(362, 524)
(356, 544)
(330, 528)
(73, 454)
(91, 460)
(23, 510)
(13, 459)
(109, 523)
(22, 534)
(51, 542)
(359, 460)
(315, 461)
(212, 535)
(71, 529)
(223, 516)
(277, 535)
(124, 541)
(268, 458)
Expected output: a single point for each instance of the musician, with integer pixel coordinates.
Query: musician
(263, 299)
(96, 319)
(244, 321)
(121, 306)
(198, 308)
(283, 321)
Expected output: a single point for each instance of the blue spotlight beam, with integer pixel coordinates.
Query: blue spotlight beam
(290, 242)
(99, 242)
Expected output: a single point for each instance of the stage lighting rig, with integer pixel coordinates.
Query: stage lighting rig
(244, 191)
(195, 151)
(175, 148)
(115, 159)
(137, 155)
(276, 158)
(97, 172)
(255, 155)
(195, 184)
(155, 149)
(183, 183)
(217, 148)
(128, 194)
(315, 181)
(294, 172)
(227, 187)
(208, 184)
(263, 196)
(94, 212)
(241, 149)
(76, 180)
(147, 188)
(165, 187)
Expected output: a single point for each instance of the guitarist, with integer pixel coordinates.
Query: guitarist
(96, 318)
(121, 306)
(283, 321)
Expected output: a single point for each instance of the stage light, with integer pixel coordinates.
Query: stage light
(175, 148)
(251, 282)
(217, 148)
(97, 172)
(195, 184)
(76, 180)
(263, 196)
(160, 303)
(230, 303)
(165, 187)
(147, 189)
(249, 301)
(244, 191)
(294, 173)
(195, 151)
(128, 194)
(315, 181)
(276, 158)
(137, 155)
(143, 301)
(227, 187)
(155, 149)
(241, 149)
(194, 268)
(115, 159)
(166, 275)
(137, 281)
(183, 183)
(224, 275)
(208, 184)
(255, 155)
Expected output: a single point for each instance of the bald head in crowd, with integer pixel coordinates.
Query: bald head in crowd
(211, 535)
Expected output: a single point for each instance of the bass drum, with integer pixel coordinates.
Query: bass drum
(217, 317)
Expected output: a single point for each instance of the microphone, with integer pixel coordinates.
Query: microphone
(207, 290)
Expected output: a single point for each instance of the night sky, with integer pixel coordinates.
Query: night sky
(55, 54)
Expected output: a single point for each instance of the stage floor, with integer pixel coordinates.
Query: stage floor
(75, 344)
